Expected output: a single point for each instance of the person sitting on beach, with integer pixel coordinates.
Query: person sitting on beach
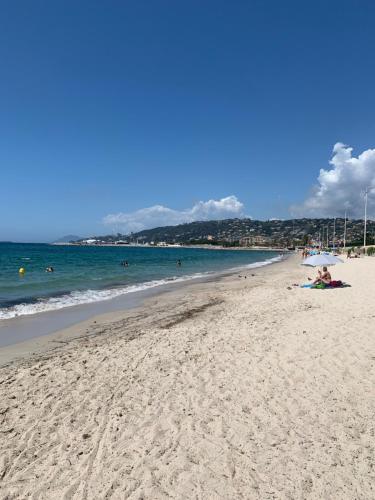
(323, 277)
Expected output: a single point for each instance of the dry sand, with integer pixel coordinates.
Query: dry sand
(243, 388)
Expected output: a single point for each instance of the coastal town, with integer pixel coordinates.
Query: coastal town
(273, 233)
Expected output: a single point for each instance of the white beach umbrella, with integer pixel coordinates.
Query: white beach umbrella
(321, 260)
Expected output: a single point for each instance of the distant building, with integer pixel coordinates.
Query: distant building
(255, 240)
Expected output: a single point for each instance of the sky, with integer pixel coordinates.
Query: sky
(119, 115)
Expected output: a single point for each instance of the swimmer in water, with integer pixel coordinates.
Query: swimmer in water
(179, 263)
(49, 269)
(125, 263)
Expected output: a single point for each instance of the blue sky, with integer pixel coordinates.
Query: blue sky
(109, 108)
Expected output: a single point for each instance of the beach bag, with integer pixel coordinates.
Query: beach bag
(335, 284)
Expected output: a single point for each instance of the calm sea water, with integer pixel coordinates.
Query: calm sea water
(89, 274)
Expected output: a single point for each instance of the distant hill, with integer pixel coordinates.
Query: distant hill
(68, 238)
(251, 232)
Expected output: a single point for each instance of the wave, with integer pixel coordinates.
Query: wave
(267, 262)
(76, 298)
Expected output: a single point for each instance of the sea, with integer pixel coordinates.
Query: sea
(88, 274)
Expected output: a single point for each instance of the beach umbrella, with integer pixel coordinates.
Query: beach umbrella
(321, 260)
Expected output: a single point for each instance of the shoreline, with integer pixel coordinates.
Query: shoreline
(47, 320)
(115, 283)
(225, 389)
(54, 324)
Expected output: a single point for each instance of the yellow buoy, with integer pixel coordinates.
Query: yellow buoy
(21, 270)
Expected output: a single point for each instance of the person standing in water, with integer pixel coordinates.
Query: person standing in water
(179, 263)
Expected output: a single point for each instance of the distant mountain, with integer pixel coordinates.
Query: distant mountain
(249, 232)
(68, 238)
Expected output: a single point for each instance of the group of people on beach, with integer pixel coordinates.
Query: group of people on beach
(352, 254)
(307, 253)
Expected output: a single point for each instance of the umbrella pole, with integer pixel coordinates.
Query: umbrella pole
(365, 225)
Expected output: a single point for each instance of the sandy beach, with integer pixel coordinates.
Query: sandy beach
(236, 388)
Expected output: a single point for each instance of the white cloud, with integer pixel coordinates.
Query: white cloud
(341, 187)
(159, 215)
